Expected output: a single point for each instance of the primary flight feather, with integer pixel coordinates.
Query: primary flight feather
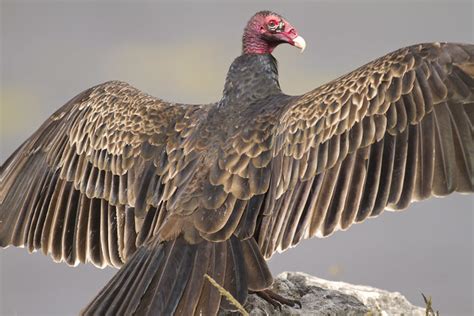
(170, 192)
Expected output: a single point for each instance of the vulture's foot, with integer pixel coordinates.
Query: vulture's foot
(276, 299)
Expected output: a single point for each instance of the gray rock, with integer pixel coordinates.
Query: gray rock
(322, 297)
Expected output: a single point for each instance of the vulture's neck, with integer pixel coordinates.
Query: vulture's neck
(251, 77)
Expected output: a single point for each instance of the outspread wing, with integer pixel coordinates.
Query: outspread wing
(397, 130)
(88, 184)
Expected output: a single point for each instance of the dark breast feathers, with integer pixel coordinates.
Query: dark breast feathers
(114, 166)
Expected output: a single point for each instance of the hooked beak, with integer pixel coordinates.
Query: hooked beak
(299, 42)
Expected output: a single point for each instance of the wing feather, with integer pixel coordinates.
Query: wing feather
(88, 177)
(409, 127)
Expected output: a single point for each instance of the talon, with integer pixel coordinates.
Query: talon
(277, 300)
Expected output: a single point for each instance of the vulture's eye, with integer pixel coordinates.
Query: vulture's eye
(272, 25)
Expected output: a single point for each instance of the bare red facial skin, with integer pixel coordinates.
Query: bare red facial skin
(265, 31)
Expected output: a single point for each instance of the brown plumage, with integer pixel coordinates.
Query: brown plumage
(172, 191)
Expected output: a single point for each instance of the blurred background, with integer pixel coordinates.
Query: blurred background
(52, 50)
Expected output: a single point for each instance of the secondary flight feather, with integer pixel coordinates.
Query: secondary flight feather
(169, 192)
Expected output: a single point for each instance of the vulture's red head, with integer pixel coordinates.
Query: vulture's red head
(266, 30)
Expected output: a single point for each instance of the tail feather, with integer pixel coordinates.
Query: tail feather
(146, 270)
(106, 302)
(165, 278)
(189, 303)
(258, 274)
(210, 299)
(168, 286)
(235, 278)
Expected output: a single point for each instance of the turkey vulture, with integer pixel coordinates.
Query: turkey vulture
(170, 192)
